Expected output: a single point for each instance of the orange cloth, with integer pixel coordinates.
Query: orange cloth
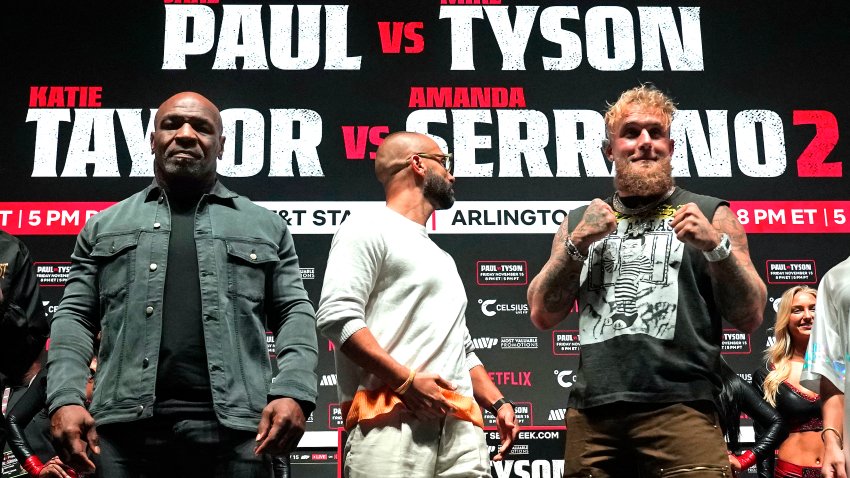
(370, 404)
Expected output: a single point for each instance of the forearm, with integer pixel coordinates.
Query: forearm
(833, 411)
(364, 350)
(16, 438)
(71, 350)
(297, 356)
(22, 413)
(738, 290)
(483, 389)
(552, 293)
(770, 428)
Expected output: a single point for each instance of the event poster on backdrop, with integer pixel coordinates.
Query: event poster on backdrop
(514, 88)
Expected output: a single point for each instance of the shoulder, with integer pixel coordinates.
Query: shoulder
(119, 208)
(6, 238)
(259, 213)
(122, 216)
(11, 245)
(362, 228)
(707, 204)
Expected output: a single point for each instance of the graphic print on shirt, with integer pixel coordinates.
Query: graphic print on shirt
(630, 280)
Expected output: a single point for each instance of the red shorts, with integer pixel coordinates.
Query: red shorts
(784, 469)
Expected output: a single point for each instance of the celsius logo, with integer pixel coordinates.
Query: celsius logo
(489, 307)
(565, 378)
(484, 307)
(485, 342)
(557, 415)
(328, 380)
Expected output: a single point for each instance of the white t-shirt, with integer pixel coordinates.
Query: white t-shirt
(829, 346)
(385, 273)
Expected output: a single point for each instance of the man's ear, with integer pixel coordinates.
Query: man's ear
(607, 150)
(417, 165)
(221, 147)
(152, 133)
(672, 144)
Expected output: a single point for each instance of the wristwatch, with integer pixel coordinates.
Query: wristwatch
(573, 251)
(720, 252)
(499, 404)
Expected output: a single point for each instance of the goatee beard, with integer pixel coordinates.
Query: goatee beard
(631, 181)
(438, 191)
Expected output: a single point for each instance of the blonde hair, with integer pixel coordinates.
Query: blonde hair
(779, 354)
(647, 96)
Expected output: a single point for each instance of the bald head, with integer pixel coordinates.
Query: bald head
(394, 153)
(187, 142)
(197, 100)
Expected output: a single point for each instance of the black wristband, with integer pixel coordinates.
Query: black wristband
(499, 404)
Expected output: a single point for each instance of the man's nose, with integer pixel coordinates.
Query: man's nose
(644, 139)
(186, 132)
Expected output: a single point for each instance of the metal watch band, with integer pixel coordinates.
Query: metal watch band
(722, 251)
(573, 251)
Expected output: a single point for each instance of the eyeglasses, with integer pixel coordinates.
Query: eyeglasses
(444, 159)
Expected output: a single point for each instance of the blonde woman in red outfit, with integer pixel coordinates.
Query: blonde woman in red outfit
(801, 454)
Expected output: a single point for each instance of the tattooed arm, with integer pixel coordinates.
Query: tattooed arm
(551, 294)
(738, 290)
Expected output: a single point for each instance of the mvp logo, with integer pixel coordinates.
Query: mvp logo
(557, 415)
(485, 342)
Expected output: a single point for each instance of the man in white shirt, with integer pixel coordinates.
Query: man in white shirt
(394, 306)
(826, 361)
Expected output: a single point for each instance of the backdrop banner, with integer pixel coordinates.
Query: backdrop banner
(515, 89)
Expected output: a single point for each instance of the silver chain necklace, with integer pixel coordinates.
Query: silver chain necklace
(623, 209)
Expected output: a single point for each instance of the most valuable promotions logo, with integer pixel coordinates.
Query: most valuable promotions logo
(505, 343)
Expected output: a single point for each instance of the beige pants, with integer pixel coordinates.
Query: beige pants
(404, 447)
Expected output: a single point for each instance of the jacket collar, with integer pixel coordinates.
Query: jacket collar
(218, 191)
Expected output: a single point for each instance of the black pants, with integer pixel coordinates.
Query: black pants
(168, 447)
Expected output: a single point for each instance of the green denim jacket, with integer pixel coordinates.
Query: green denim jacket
(250, 282)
